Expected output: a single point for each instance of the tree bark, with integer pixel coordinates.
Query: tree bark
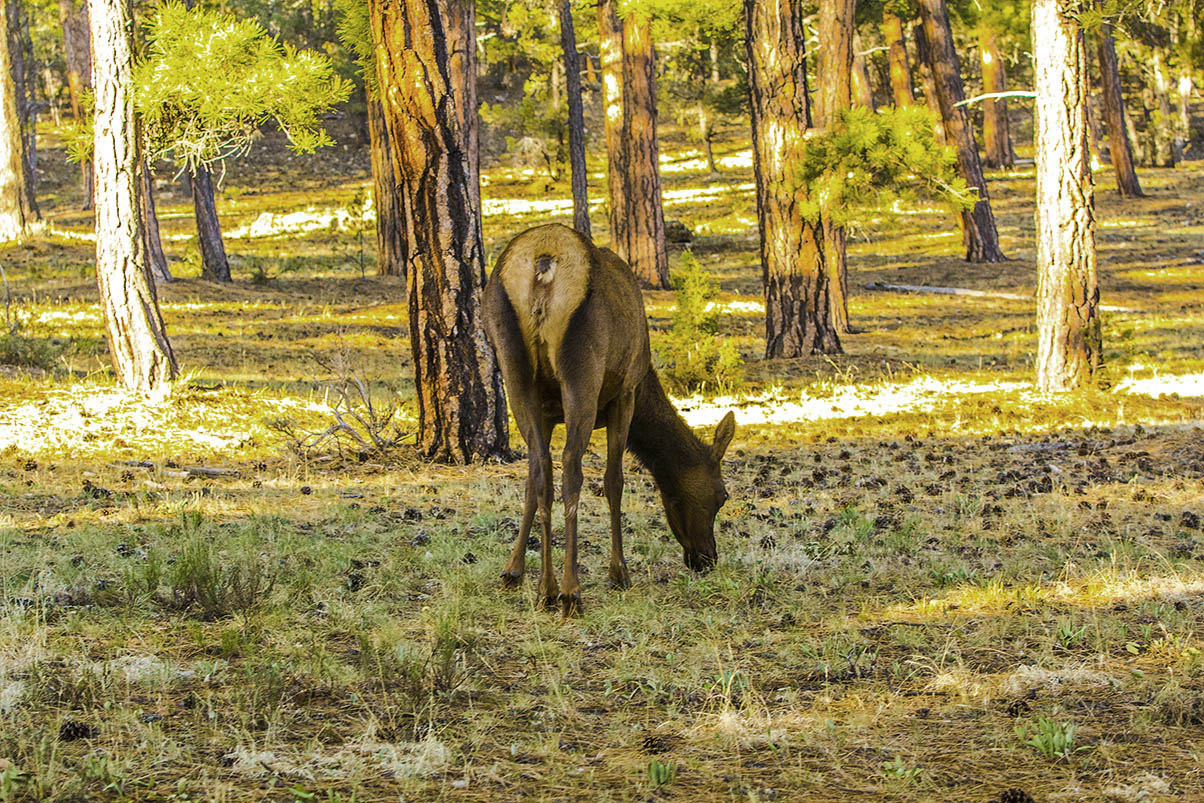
(637, 218)
(215, 267)
(794, 269)
(863, 90)
(1119, 146)
(1069, 341)
(424, 76)
(154, 243)
(923, 60)
(138, 345)
(15, 215)
(610, 34)
(1162, 121)
(900, 70)
(20, 51)
(1183, 91)
(996, 133)
(572, 88)
(646, 249)
(77, 52)
(834, 68)
(978, 224)
(390, 232)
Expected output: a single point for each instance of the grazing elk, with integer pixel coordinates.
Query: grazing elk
(567, 321)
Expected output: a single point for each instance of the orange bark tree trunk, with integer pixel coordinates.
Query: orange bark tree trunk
(900, 71)
(797, 276)
(978, 224)
(1119, 146)
(837, 27)
(390, 234)
(637, 218)
(996, 133)
(426, 60)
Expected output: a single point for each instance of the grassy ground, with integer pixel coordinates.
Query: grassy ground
(933, 583)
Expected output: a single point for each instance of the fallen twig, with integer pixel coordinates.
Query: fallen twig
(182, 471)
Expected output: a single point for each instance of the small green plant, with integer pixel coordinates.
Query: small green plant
(694, 357)
(1070, 636)
(201, 582)
(901, 770)
(10, 780)
(1051, 738)
(661, 773)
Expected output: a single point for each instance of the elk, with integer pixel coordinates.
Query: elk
(567, 321)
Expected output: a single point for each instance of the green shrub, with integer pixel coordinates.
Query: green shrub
(693, 357)
(29, 352)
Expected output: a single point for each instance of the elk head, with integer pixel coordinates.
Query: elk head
(693, 501)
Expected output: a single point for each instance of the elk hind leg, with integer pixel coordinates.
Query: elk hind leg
(579, 426)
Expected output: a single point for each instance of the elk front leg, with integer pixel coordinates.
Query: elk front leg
(618, 422)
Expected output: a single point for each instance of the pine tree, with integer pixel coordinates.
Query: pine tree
(426, 61)
(1069, 342)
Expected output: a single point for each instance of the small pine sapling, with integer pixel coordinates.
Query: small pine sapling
(694, 357)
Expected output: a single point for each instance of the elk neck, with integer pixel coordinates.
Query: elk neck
(659, 438)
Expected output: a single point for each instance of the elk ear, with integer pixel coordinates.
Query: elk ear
(723, 436)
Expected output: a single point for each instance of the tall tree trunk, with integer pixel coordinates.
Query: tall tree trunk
(215, 267)
(21, 51)
(834, 69)
(1183, 93)
(15, 215)
(610, 35)
(572, 89)
(923, 60)
(1119, 146)
(1163, 119)
(1069, 342)
(138, 345)
(996, 133)
(425, 63)
(900, 70)
(706, 135)
(978, 224)
(157, 259)
(646, 249)
(797, 276)
(863, 90)
(77, 52)
(390, 232)
(637, 218)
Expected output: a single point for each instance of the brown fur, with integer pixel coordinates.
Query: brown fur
(566, 319)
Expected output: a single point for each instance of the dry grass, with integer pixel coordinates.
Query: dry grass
(933, 583)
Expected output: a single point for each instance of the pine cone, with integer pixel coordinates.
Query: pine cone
(1014, 795)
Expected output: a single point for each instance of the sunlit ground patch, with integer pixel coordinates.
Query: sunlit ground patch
(849, 401)
(86, 421)
(1187, 385)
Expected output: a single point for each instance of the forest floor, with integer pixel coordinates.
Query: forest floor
(933, 582)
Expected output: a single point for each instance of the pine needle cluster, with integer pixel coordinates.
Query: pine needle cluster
(209, 80)
(877, 161)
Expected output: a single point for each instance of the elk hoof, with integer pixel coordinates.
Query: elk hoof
(550, 599)
(570, 604)
(512, 578)
(619, 579)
